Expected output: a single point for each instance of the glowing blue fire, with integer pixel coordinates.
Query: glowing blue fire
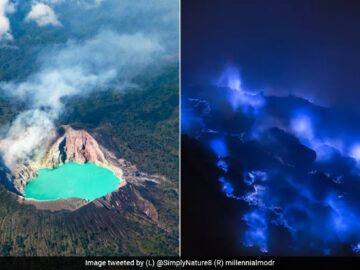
(256, 234)
(302, 126)
(317, 206)
(355, 152)
(227, 187)
(344, 218)
(219, 147)
(252, 176)
(222, 165)
(247, 101)
(230, 78)
(256, 197)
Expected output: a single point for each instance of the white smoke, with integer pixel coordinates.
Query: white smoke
(43, 15)
(26, 137)
(78, 68)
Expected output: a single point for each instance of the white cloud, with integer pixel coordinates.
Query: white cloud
(43, 15)
(5, 7)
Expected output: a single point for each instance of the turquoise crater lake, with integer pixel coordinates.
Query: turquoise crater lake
(72, 180)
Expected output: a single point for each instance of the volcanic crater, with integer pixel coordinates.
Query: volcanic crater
(71, 145)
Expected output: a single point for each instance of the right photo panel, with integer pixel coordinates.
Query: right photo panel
(270, 128)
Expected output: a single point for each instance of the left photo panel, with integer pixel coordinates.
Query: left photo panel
(89, 128)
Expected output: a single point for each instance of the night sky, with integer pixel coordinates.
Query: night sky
(309, 48)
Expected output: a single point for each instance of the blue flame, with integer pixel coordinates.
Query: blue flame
(219, 147)
(256, 197)
(254, 176)
(230, 78)
(256, 234)
(302, 126)
(355, 152)
(227, 187)
(316, 207)
(222, 165)
(247, 101)
(344, 218)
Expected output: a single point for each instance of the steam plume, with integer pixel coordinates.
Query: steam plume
(78, 68)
